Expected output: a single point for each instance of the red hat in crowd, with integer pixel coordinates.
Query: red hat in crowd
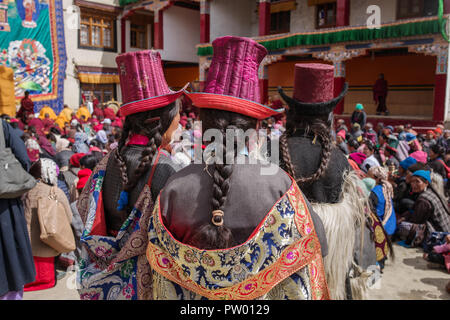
(432, 133)
(438, 130)
(142, 82)
(83, 177)
(232, 83)
(313, 90)
(75, 159)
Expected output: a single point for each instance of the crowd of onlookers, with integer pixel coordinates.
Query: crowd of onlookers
(405, 172)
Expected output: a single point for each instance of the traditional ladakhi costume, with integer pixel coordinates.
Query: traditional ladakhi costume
(113, 265)
(325, 176)
(278, 252)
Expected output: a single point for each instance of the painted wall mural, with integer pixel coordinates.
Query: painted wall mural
(32, 44)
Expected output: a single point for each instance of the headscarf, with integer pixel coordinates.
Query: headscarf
(423, 174)
(80, 145)
(410, 137)
(46, 145)
(62, 144)
(49, 171)
(358, 157)
(420, 156)
(33, 149)
(369, 183)
(75, 159)
(32, 144)
(408, 162)
(101, 136)
(388, 192)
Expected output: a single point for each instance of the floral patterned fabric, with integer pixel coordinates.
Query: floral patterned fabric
(113, 268)
(282, 260)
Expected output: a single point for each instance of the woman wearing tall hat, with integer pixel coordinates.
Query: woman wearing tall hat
(116, 203)
(228, 231)
(309, 155)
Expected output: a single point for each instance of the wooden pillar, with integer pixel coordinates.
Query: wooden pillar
(123, 31)
(264, 17)
(440, 87)
(342, 13)
(263, 75)
(123, 37)
(158, 31)
(204, 21)
(339, 82)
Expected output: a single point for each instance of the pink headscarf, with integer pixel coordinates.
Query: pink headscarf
(420, 156)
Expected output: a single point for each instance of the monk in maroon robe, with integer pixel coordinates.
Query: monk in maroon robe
(380, 92)
(26, 108)
(47, 122)
(36, 123)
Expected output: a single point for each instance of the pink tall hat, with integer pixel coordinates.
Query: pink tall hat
(313, 90)
(232, 83)
(142, 82)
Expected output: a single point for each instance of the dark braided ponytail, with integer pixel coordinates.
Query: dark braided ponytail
(152, 124)
(319, 130)
(215, 235)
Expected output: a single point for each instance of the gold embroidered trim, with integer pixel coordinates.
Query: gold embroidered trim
(305, 252)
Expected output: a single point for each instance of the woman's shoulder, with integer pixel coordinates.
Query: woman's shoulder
(195, 176)
(39, 189)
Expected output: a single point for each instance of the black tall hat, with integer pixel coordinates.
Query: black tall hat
(314, 90)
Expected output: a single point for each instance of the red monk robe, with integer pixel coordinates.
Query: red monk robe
(26, 108)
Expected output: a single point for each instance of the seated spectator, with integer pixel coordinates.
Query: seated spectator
(381, 199)
(413, 143)
(401, 133)
(437, 163)
(403, 198)
(87, 165)
(359, 116)
(357, 134)
(440, 254)
(371, 160)
(430, 213)
(340, 125)
(80, 145)
(102, 138)
(340, 142)
(352, 145)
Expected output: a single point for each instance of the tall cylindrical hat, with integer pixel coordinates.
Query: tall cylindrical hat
(232, 82)
(142, 82)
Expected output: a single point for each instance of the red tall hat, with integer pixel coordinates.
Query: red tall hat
(142, 82)
(313, 89)
(232, 83)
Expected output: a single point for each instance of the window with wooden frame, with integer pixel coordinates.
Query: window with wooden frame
(138, 36)
(326, 15)
(280, 22)
(103, 92)
(407, 9)
(97, 31)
